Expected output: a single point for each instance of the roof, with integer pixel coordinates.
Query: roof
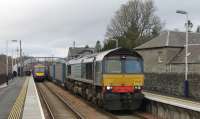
(98, 56)
(79, 50)
(194, 56)
(90, 58)
(170, 39)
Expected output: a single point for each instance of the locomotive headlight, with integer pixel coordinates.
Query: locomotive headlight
(108, 87)
(139, 87)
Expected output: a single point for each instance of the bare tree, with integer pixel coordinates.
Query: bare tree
(134, 23)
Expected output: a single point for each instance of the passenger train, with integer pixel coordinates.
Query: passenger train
(40, 72)
(112, 79)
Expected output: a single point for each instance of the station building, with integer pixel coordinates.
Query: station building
(75, 52)
(166, 53)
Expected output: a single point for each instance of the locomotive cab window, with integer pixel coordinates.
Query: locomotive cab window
(133, 66)
(113, 65)
(123, 64)
(40, 69)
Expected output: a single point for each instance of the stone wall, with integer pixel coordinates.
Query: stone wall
(151, 61)
(151, 58)
(172, 84)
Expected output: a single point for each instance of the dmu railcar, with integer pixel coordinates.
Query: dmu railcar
(39, 72)
(112, 79)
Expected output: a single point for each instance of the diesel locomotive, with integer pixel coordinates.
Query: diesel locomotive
(112, 79)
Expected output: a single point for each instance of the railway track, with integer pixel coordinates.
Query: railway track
(56, 106)
(88, 110)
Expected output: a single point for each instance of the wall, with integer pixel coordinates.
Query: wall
(151, 63)
(172, 84)
(180, 68)
(165, 111)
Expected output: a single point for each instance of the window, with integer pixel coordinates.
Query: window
(98, 71)
(40, 69)
(160, 56)
(89, 71)
(83, 71)
(69, 70)
(133, 66)
(113, 66)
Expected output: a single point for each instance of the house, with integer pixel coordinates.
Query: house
(75, 52)
(3, 64)
(166, 53)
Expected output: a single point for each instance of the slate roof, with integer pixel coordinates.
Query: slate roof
(194, 56)
(170, 39)
(176, 39)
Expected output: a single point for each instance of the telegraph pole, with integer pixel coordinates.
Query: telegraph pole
(7, 58)
(20, 50)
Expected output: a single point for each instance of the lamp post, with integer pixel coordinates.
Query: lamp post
(7, 59)
(20, 51)
(186, 83)
(14, 41)
(7, 62)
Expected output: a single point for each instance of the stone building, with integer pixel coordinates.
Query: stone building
(3, 64)
(166, 53)
(75, 52)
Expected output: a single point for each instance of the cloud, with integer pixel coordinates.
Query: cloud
(44, 26)
(166, 9)
(49, 27)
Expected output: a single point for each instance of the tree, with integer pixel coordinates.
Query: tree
(109, 44)
(86, 46)
(134, 23)
(98, 46)
(198, 29)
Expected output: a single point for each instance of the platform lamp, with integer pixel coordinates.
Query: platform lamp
(20, 50)
(14, 41)
(7, 62)
(186, 83)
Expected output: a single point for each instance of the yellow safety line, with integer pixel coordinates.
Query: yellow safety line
(17, 108)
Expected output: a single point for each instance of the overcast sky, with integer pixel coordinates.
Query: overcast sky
(49, 27)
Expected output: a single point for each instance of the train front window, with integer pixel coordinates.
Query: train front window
(133, 66)
(39, 70)
(113, 66)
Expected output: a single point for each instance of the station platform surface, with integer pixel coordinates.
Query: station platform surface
(8, 95)
(186, 104)
(32, 106)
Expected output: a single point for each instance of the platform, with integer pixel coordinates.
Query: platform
(186, 104)
(32, 106)
(8, 95)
